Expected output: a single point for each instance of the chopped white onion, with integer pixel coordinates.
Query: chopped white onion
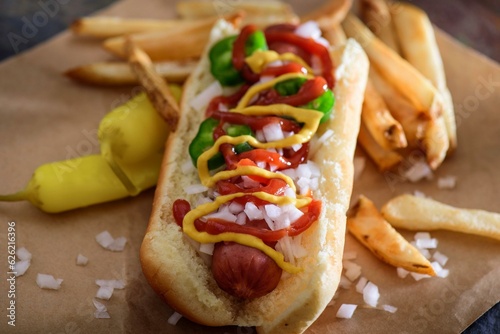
(23, 254)
(344, 282)
(443, 273)
(272, 132)
(99, 306)
(253, 212)
(207, 248)
(371, 294)
(174, 318)
(440, 258)
(48, 282)
(195, 189)
(308, 29)
(389, 308)
(346, 311)
(361, 284)
(426, 243)
(402, 273)
(418, 171)
(20, 267)
(81, 260)
(260, 136)
(223, 213)
(422, 235)
(241, 219)
(235, 208)
(118, 244)
(201, 101)
(298, 250)
(292, 212)
(104, 239)
(447, 182)
(104, 292)
(352, 270)
(101, 311)
(418, 277)
(114, 283)
(273, 211)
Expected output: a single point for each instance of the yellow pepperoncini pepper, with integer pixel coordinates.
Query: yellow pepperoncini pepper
(132, 137)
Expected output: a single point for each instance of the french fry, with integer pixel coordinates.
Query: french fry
(435, 142)
(156, 88)
(330, 14)
(418, 46)
(106, 26)
(424, 214)
(260, 13)
(385, 130)
(376, 15)
(412, 120)
(397, 71)
(384, 159)
(367, 225)
(182, 42)
(120, 73)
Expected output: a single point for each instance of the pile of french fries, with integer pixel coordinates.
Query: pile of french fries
(407, 105)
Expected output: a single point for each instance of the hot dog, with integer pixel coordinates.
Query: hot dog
(277, 234)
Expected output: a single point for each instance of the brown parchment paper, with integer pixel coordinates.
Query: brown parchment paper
(45, 117)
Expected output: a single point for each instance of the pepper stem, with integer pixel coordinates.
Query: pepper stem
(108, 156)
(19, 196)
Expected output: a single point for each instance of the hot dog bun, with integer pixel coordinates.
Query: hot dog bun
(176, 271)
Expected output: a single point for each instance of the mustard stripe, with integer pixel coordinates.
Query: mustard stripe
(255, 89)
(244, 239)
(249, 170)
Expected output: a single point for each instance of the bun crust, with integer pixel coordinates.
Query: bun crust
(182, 277)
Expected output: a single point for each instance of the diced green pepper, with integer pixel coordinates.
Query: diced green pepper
(323, 103)
(221, 56)
(204, 140)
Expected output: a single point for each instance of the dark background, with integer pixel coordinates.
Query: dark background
(473, 23)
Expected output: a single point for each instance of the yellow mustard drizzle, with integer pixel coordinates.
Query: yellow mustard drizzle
(309, 117)
(255, 89)
(248, 170)
(244, 239)
(259, 59)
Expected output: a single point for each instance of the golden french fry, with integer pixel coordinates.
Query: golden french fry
(424, 214)
(106, 26)
(156, 88)
(412, 120)
(397, 71)
(385, 159)
(385, 130)
(182, 42)
(330, 14)
(367, 225)
(418, 46)
(376, 15)
(120, 73)
(260, 13)
(435, 142)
